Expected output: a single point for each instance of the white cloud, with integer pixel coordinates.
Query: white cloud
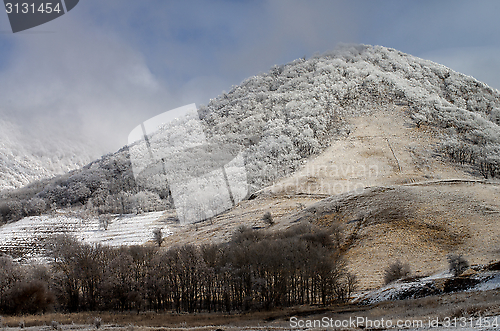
(80, 81)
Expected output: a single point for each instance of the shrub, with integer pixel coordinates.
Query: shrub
(158, 237)
(495, 116)
(395, 271)
(31, 297)
(105, 221)
(244, 233)
(35, 206)
(15, 210)
(268, 218)
(97, 322)
(23, 289)
(146, 201)
(55, 325)
(457, 264)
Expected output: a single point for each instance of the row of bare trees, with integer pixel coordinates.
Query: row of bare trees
(484, 159)
(255, 270)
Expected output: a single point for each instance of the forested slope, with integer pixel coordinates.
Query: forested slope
(282, 117)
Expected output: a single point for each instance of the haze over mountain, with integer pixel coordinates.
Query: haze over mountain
(25, 158)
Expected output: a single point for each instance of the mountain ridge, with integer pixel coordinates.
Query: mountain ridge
(298, 107)
(320, 95)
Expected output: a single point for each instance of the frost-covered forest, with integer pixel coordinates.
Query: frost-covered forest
(282, 117)
(295, 110)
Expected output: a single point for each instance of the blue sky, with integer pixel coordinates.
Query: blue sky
(98, 71)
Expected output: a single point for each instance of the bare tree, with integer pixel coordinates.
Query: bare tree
(158, 236)
(457, 264)
(268, 218)
(105, 221)
(351, 283)
(395, 271)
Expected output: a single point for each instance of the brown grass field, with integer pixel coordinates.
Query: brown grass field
(464, 304)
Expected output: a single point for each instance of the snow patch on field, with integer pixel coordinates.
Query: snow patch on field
(491, 284)
(488, 280)
(28, 235)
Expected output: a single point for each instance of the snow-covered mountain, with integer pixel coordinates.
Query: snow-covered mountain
(24, 159)
(296, 110)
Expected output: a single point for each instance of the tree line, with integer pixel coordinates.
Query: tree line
(106, 186)
(254, 270)
(485, 159)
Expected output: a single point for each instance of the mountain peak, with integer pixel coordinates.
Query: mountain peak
(296, 110)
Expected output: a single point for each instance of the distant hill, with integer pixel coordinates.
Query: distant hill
(24, 160)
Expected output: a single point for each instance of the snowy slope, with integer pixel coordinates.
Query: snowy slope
(296, 110)
(28, 235)
(23, 160)
(400, 290)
